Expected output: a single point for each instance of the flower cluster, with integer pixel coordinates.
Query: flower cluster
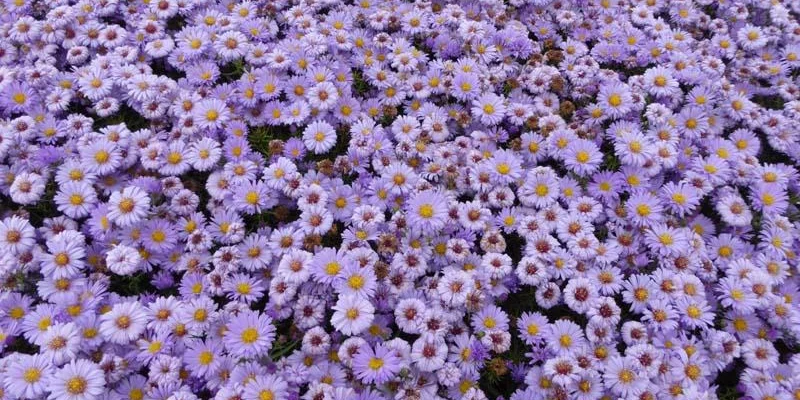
(382, 199)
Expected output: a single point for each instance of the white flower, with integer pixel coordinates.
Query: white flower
(124, 323)
(319, 137)
(123, 260)
(27, 188)
(128, 207)
(352, 314)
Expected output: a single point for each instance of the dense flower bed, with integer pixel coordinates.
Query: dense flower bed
(379, 199)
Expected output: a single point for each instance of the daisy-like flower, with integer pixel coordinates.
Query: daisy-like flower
(562, 370)
(759, 354)
(540, 189)
(124, 323)
(123, 260)
(252, 197)
(323, 95)
(79, 380)
(639, 290)
(356, 280)
(565, 337)
(751, 37)
(265, 387)
(378, 365)
(734, 211)
(580, 294)
(65, 256)
(769, 199)
(427, 211)
(18, 96)
(661, 316)
(667, 241)
(622, 377)
(211, 114)
(694, 313)
(679, 198)
(506, 166)
(633, 148)
(128, 206)
(352, 314)
(230, 45)
(28, 376)
(693, 122)
(27, 188)
(16, 235)
(204, 154)
(429, 353)
(319, 137)
(659, 82)
(489, 108)
(101, 156)
(582, 156)
(95, 84)
(250, 334)
(532, 327)
(60, 342)
(644, 208)
(159, 236)
(615, 99)
(75, 199)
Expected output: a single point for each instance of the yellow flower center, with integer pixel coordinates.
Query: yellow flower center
(16, 313)
(136, 394)
(243, 288)
(565, 340)
(205, 358)
(76, 385)
(154, 346)
(693, 311)
(76, 199)
(355, 282)
(626, 376)
(32, 375)
(503, 168)
(426, 211)
(19, 98)
(375, 363)
(101, 157)
(249, 335)
(266, 394)
(158, 236)
(692, 371)
(251, 198)
(61, 259)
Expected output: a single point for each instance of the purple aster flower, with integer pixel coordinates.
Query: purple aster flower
(378, 365)
(250, 334)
